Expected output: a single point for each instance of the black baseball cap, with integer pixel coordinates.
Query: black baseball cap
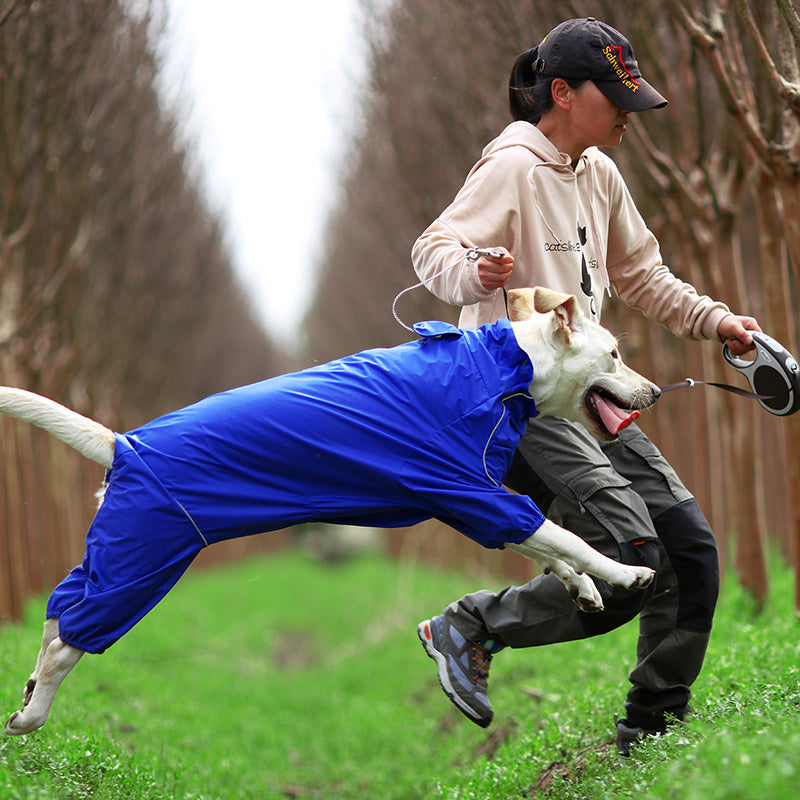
(587, 49)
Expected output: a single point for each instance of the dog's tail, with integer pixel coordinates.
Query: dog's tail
(88, 437)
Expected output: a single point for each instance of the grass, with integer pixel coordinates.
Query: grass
(281, 677)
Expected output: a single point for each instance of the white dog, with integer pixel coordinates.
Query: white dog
(385, 438)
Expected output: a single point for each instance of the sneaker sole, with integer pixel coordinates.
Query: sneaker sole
(425, 636)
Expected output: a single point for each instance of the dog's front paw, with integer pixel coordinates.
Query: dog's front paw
(580, 586)
(586, 595)
(635, 577)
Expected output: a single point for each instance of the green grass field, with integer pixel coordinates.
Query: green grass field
(285, 678)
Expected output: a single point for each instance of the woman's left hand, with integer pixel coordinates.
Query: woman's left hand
(733, 330)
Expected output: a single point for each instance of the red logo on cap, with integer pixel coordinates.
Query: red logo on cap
(615, 59)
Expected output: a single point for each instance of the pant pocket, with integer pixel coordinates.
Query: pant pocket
(651, 475)
(602, 508)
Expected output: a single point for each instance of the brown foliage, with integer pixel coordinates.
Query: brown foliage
(117, 295)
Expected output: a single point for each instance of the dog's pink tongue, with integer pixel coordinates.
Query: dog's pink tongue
(614, 418)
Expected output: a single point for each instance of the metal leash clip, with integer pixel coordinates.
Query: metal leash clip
(773, 374)
(474, 253)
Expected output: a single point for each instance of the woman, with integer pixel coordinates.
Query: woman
(559, 211)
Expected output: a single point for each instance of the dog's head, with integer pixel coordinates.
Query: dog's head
(578, 373)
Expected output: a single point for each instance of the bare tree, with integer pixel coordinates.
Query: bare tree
(715, 174)
(117, 290)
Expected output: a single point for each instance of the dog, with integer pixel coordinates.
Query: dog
(385, 438)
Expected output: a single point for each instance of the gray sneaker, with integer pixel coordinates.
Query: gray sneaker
(463, 668)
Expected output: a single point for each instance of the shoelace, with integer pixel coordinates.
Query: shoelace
(481, 659)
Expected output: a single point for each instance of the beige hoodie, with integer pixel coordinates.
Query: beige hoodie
(573, 230)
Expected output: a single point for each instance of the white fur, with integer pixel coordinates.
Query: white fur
(570, 356)
(88, 437)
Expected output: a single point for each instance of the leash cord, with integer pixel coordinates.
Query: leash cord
(472, 254)
(417, 286)
(726, 386)
(689, 382)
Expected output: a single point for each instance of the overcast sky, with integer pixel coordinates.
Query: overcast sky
(271, 84)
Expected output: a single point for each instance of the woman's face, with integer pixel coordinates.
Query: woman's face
(596, 121)
(581, 118)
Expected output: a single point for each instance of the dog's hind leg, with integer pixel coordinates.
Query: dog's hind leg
(50, 632)
(55, 662)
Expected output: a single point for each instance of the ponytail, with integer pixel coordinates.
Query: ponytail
(523, 74)
(527, 94)
(529, 91)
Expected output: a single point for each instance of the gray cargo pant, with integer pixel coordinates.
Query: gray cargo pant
(624, 499)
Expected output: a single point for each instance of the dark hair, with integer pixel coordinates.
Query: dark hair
(529, 93)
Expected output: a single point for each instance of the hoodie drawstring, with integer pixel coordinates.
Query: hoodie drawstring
(599, 249)
(598, 244)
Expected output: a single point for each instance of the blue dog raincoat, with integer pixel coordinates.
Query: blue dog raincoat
(384, 438)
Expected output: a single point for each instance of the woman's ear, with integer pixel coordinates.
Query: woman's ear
(562, 92)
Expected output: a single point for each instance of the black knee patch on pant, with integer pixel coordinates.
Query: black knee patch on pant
(622, 605)
(692, 550)
(641, 553)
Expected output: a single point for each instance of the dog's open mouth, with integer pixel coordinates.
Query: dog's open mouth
(608, 411)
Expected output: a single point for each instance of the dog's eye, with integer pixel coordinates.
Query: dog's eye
(615, 353)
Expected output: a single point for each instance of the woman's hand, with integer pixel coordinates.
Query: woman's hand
(733, 330)
(494, 272)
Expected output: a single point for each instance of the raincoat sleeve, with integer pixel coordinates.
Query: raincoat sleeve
(492, 518)
(489, 514)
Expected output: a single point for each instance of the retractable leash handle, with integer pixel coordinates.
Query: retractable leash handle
(774, 375)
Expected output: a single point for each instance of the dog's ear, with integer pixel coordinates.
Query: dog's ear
(545, 300)
(568, 314)
(520, 304)
(524, 303)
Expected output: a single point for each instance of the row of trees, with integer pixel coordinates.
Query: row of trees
(717, 175)
(118, 298)
(117, 294)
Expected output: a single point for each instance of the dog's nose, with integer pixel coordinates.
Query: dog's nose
(655, 393)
